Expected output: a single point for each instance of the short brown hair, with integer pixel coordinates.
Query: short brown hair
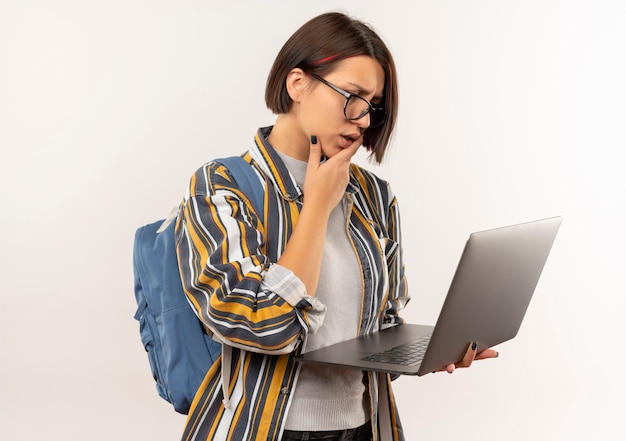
(316, 47)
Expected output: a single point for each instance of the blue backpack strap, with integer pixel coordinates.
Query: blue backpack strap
(247, 180)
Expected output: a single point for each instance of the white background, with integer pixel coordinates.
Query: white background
(510, 111)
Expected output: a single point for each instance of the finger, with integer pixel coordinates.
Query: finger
(487, 353)
(466, 361)
(449, 369)
(315, 152)
(348, 152)
(470, 355)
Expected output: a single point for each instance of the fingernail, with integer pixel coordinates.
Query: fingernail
(313, 139)
(474, 346)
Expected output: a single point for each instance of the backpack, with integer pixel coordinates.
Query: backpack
(180, 352)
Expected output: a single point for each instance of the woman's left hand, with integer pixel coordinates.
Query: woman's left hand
(470, 356)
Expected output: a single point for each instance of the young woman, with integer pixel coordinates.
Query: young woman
(325, 263)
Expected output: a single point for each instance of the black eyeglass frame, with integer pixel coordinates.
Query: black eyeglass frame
(371, 109)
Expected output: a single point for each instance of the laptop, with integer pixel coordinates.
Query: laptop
(490, 292)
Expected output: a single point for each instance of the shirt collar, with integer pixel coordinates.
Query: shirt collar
(273, 166)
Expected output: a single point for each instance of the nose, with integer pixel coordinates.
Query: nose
(363, 122)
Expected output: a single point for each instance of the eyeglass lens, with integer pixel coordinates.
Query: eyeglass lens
(357, 107)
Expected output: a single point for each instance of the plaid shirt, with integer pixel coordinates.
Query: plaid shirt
(261, 310)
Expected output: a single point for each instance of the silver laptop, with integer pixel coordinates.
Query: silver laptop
(487, 300)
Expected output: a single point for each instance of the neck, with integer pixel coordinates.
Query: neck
(288, 138)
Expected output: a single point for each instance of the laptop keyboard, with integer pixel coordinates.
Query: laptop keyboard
(408, 354)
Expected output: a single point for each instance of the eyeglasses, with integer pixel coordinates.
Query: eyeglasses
(356, 107)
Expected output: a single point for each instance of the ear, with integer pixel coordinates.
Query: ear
(296, 83)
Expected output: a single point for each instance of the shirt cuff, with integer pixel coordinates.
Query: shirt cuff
(284, 283)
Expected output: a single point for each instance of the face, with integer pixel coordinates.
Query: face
(319, 109)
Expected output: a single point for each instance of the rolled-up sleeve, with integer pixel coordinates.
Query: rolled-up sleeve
(286, 284)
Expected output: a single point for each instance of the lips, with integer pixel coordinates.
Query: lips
(346, 141)
(351, 138)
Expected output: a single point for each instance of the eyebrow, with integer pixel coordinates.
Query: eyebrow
(360, 91)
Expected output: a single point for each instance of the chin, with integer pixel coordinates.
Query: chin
(334, 150)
